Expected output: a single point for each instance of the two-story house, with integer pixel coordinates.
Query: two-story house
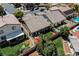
(10, 28)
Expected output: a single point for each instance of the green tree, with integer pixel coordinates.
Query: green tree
(64, 31)
(48, 49)
(19, 14)
(76, 8)
(2, 12)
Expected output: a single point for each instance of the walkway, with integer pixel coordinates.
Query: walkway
(27, 34)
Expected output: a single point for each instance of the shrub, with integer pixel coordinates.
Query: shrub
(64, 31)
(2, 12)
(19, 14)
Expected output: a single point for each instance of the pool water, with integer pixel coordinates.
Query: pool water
(76, 19)
(78, 28)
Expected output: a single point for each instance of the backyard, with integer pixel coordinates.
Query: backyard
(48, 36)
(59, 45)
(58, 42)
(13, 50)
(69, 24)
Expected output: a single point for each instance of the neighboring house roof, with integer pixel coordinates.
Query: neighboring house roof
(55, 16)
(9, 8)
(35, 22)
(75, 43)
(65, 9)
(62, 8)
(8, 19)
(1, 22)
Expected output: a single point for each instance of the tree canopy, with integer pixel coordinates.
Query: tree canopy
(76, 8)
(47, 48)
(64, 31)
(19, 14)
(2, 12)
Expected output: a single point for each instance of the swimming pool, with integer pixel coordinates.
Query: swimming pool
(76, 29)
(76, 19)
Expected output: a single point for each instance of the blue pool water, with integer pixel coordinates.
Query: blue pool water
(78, 28)
(76, 19)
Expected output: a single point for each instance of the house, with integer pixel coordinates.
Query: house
(67, 11)
(55, 17)
(74, 39)
(10, 28)
(8, 8)
(36, 24)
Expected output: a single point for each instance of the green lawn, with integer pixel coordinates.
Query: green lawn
(46, 36)
(74, 23)
(12, 51)
(59, 46)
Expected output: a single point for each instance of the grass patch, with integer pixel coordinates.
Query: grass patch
(74, 23)
(59, 46)
(13, 50)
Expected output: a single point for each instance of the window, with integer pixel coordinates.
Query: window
(1, 31)
(14, 27)
(3, 38)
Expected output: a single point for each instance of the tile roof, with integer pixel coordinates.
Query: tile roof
(67, 10)
(62, 8)
(35, 23)
(75, 43)
(1, 22)
(55, 16)
(8, 19)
